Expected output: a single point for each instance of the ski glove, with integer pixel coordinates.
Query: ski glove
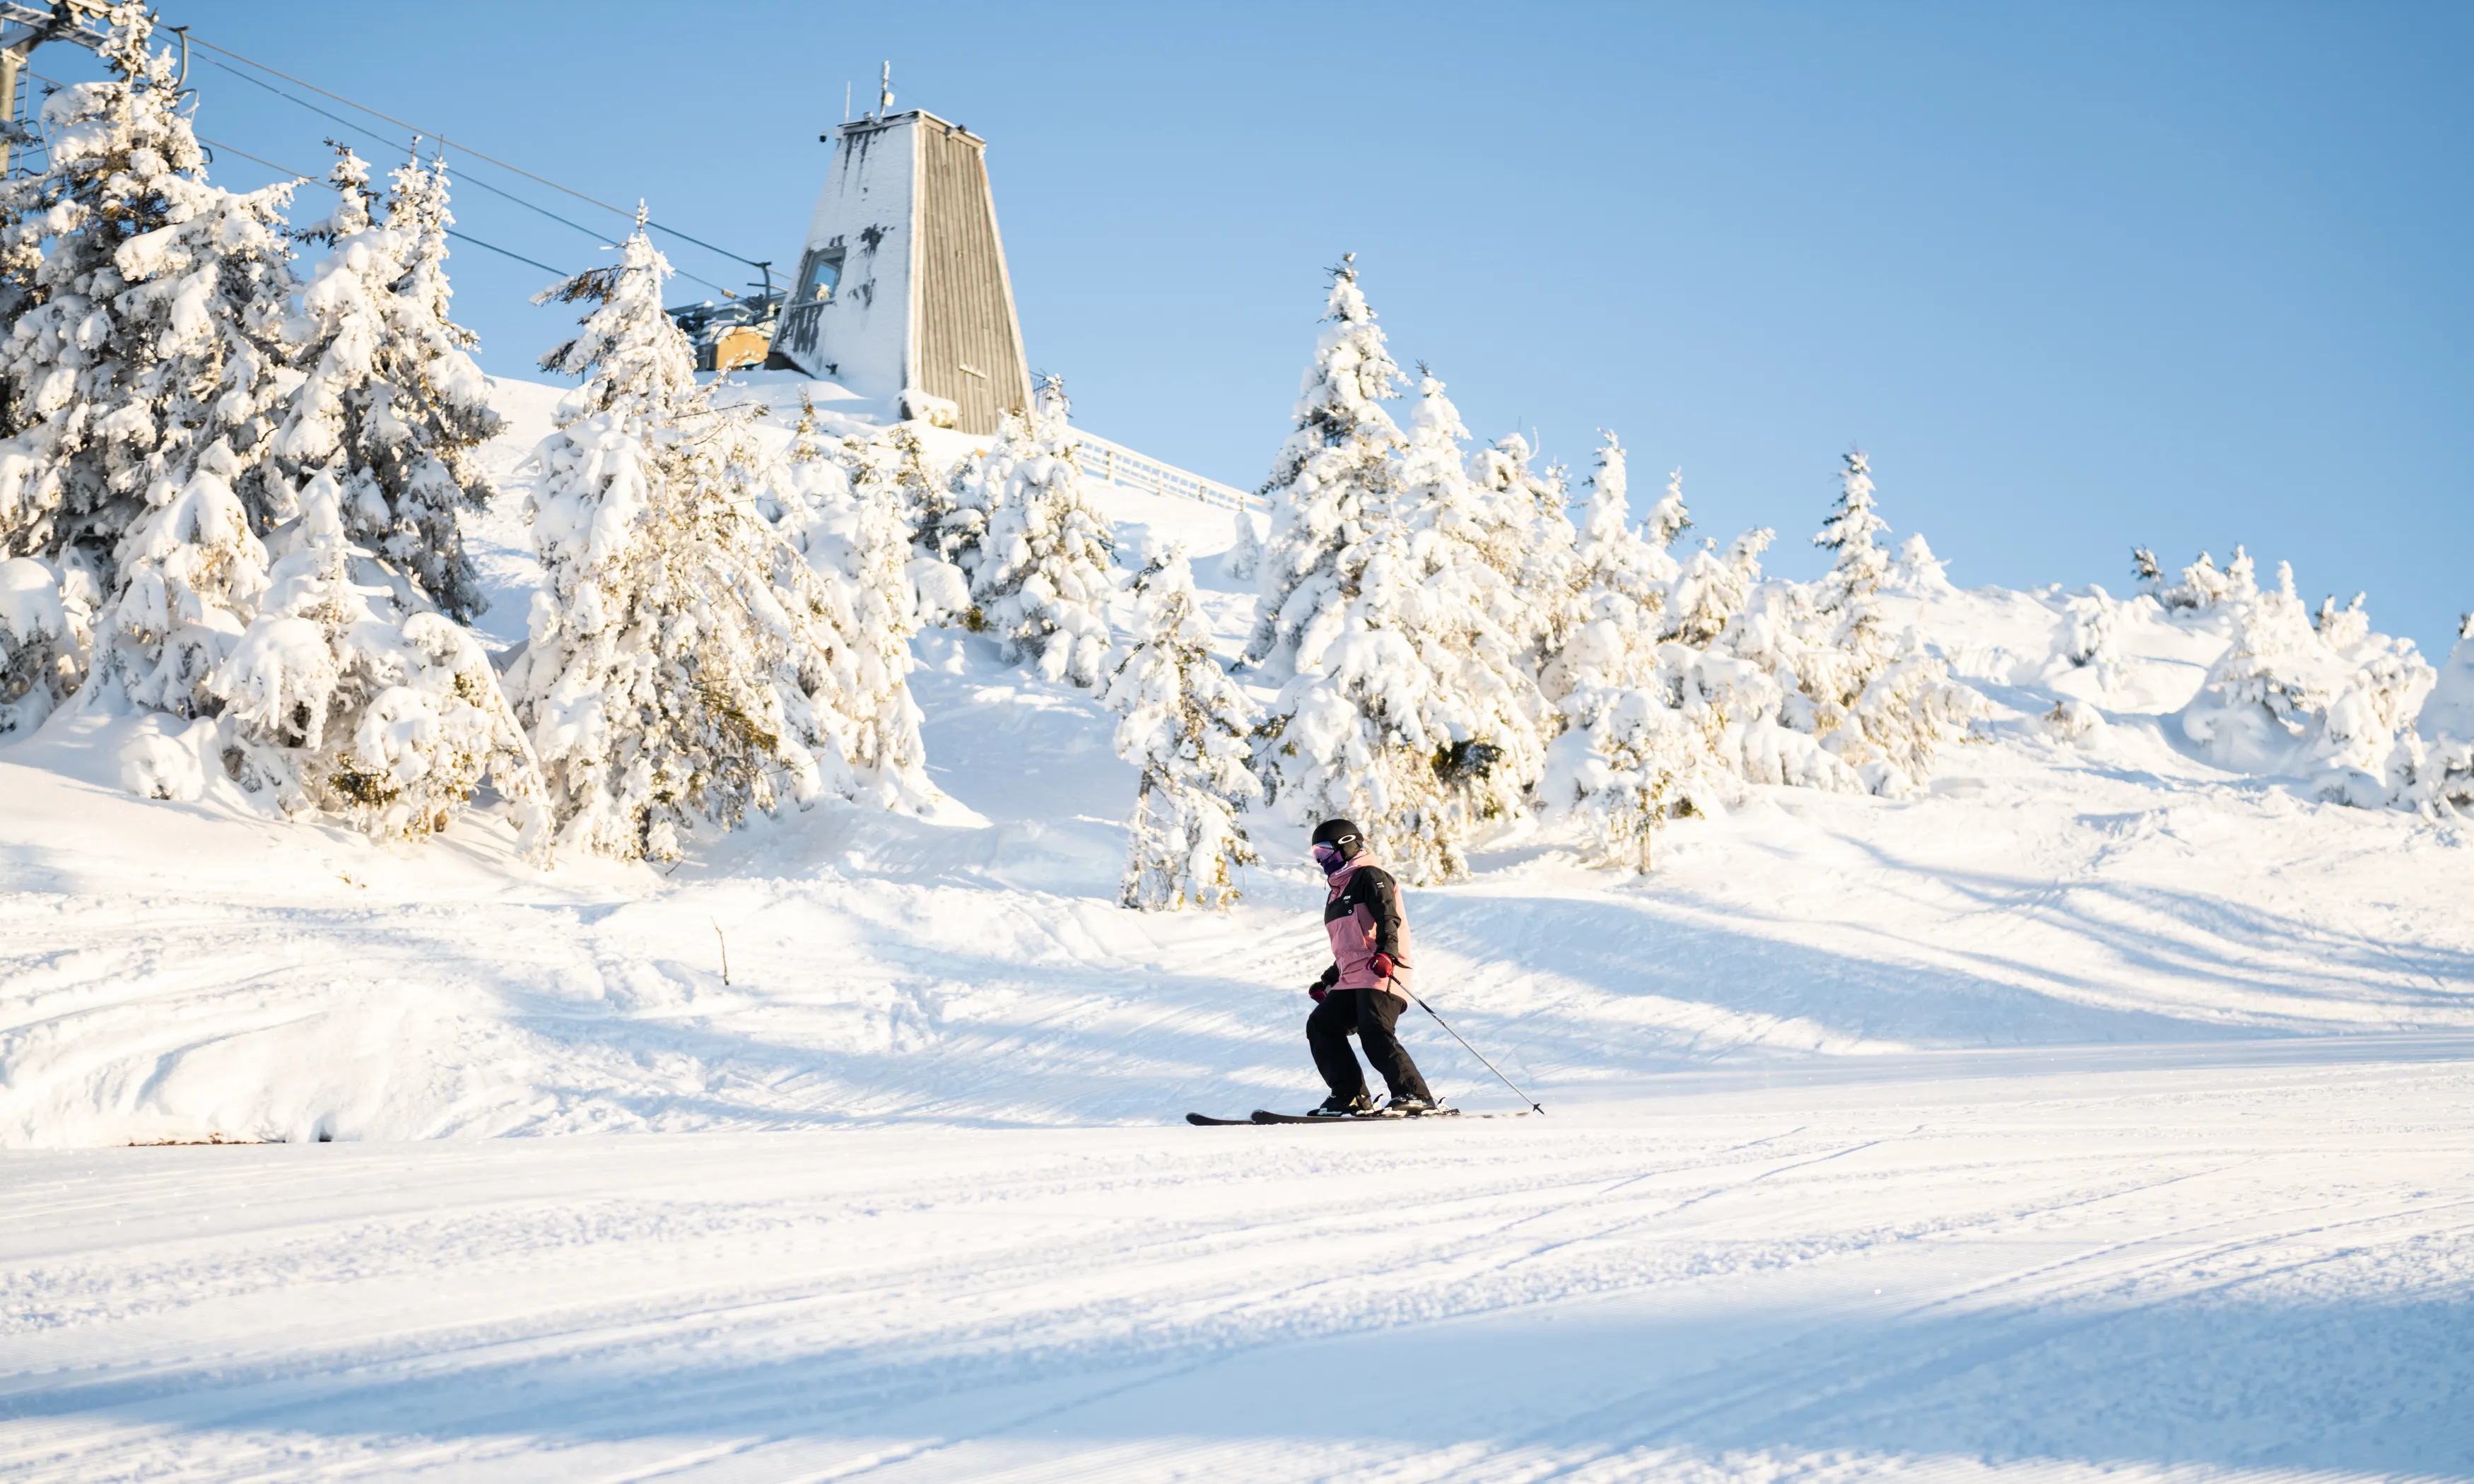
(1316, 992)
(1383, 965)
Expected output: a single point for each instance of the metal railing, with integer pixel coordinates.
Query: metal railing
(1117, 465)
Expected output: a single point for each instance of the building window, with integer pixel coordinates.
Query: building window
(818, 276)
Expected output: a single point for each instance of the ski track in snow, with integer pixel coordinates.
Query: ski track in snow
(2239, 1261)
(2092, 1113)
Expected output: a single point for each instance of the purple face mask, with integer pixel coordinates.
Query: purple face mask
(1329, 858)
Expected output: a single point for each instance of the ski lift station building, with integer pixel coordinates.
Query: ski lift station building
(902, 297)
(901, 292)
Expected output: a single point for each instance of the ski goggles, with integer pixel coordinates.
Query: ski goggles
(1329, 858)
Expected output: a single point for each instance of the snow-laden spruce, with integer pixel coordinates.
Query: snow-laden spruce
(1628, 755)
(1332, 473)
(937, 511)
(2323, 698)
(682, 662)
(392, 403)
(1243, 561)
(1041, 583)
(1186, 725)
(350, 691)
(857, 546)
(2445, 777)
(143, 368)
(1527, 508)
(1410, 704)
(1623, 580)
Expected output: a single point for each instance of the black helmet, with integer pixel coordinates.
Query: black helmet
(1342, 836)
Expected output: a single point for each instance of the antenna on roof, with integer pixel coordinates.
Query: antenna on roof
(884, 92)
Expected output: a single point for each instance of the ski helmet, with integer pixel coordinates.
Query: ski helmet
(1342, 836)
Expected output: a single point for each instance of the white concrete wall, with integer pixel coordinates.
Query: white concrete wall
(860, 336)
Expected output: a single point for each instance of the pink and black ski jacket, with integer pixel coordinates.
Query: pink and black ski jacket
(1363, 918)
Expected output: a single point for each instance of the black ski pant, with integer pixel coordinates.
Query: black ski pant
(1368, 1015)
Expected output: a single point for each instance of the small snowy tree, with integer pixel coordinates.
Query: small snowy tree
(2333, 702)
(1850, 642)
(46, 633)
(143, 361)
(1915, 570)
(1623, 583)
(1629, 762)
(1714, 587)
(938, 515)
(1243, 561)
(1668, 518)
(349, 693)
(1330, 476)
(2445, 778)
(1186, 727)
(1042, 583)
(2203, 585)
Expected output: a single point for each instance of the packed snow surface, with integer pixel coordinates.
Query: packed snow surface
(2091, 1109)
(2246, 1263)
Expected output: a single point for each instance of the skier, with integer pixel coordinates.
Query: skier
(1366, 986)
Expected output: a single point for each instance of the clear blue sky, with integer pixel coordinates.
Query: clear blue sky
(2076, 276)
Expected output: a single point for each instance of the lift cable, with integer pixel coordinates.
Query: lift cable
(474, 152)
(493, 247)
(399, 144)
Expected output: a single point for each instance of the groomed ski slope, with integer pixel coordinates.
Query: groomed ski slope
(2134, 1088)
(2245, 1262)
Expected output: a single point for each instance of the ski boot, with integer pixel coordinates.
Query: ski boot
(1339, 1104)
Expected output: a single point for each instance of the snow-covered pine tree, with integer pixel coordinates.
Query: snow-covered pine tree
(1714, 587)
(941, 516)
(1629, 761)
(1243, 561)
(1629, 753)
(350, 692)
(1411, 707)
(1467, 619)
(857, 542)
(1621, 583)
(680, 668)
(1666, 519)
(1365, 728)
(46, 633)
(1186, 727)
(1530, 508)
(2444, 780)
(2203, 586)
(1916, 571)
(1849, 638)
(1042, 584)
(393, 399)
(1334, 468)
(2285, 699)
(143, 361)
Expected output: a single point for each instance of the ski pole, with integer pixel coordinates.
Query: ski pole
(1481, 1059)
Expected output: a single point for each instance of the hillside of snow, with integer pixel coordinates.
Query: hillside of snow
(186, 971)
(2091, 1113)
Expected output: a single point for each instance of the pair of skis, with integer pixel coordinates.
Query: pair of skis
(1260, 1115)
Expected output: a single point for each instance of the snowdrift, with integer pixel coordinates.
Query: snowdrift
(176, 967)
